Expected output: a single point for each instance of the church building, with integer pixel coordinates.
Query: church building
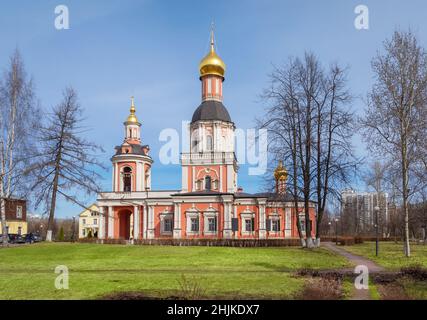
(209, 203)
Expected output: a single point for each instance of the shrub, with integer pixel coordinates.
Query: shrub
(61, 234)
(358, 240)
(347, 241)
(415, 271)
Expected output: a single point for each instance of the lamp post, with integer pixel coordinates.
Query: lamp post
(336, 231)
(377, 210)
(329, 228)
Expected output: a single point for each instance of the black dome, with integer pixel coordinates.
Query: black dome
(211, 110)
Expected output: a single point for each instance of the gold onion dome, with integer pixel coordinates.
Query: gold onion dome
(212, 64)
(132, 117)
(280, 173)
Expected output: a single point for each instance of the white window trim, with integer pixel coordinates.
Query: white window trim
(20, 212)
(206, 216)
(189, 215)
(274, 217)
(243, 218)
(163, 217)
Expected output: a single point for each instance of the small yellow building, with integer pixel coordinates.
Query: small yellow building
(89, 222)
(16, 216)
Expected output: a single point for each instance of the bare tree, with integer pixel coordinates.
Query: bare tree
(68, 161)
(395, 122)
(310, 130)
(18, 122)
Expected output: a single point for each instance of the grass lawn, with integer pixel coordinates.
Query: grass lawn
(27, 272)
(391, 254)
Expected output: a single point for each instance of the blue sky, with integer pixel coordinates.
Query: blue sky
(151, 49)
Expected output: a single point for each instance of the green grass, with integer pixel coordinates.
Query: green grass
(391, 254)
(27, 272)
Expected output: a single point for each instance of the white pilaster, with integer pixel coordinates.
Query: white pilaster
(101, 229)
(261, 222)
(136, 222)
(227, 233)
(150, 233)
(177, 221)
(110, 223)
(144, 222)
(288, 223)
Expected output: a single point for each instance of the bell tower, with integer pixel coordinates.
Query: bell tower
(211, 164)
(132, 162)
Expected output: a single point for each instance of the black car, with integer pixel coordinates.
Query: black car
(31, 238)
(16, 238)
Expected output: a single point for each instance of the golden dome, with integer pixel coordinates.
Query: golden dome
(132, 117)
(280, 173)
(212, 63)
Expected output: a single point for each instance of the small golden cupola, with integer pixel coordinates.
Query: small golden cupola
(132, 117)
(281, 175)
(212, 64)
(132, 126)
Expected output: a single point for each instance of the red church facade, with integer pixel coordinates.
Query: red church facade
(209, 204)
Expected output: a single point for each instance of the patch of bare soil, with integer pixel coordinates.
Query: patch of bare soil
(326, 288)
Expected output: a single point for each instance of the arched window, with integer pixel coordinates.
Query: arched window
(209, 143)
(208, 183)
(127, 179)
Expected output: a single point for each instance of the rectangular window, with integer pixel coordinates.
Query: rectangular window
(275, 225)
(19, 212)
(84, 221)
(248, 225)
(84, 232)
(194, 224)
(212, 224)
(95, 221)
(167, 225)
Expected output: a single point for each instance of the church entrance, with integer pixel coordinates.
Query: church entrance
(124, 224)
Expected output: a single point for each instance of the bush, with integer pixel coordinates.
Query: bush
(416, 272)
(61, 234)
(358, 240)
(347, 241)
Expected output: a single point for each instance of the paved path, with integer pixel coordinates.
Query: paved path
(358, 294)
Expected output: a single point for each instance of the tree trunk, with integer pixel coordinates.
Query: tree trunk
(53, 200)
(407, 248)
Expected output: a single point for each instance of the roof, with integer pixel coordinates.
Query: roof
(211, 110)
(202, 193)
(92, 207)
(271, 196)
(136, 149)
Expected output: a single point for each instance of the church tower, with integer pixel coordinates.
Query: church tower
(211, 164)
(132, 163)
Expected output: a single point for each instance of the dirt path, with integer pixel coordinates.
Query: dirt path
(358, 294)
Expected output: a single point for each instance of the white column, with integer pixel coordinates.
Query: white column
(101, 229)
(227, 233)
(288, 223)
(110, 223)
(136, 222)
(144, 222)
(177, 221)
(261, 222)
(150, 234)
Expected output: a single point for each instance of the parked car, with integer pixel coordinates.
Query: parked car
(31, 238)
(16, 238)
